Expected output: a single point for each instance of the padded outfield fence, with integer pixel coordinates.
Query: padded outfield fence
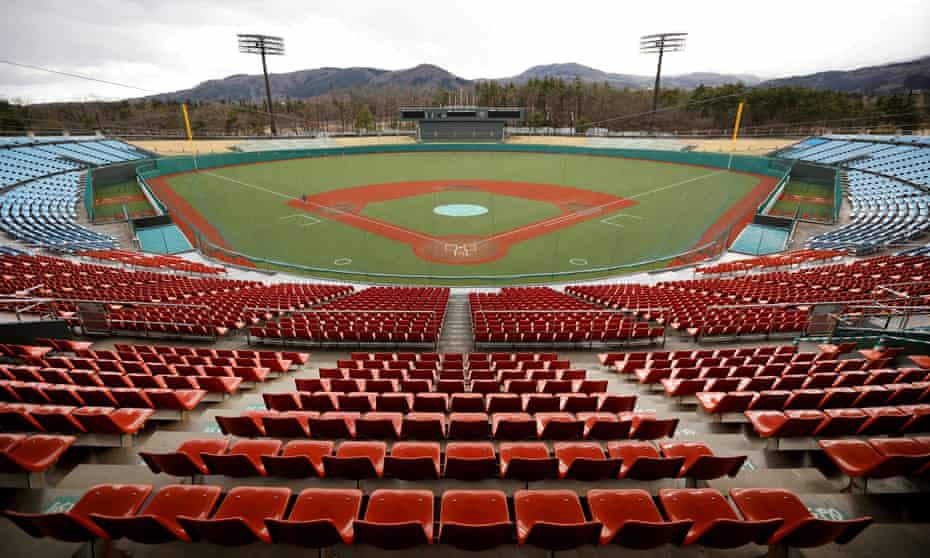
(701, 247)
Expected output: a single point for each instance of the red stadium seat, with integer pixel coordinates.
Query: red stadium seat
(558, 426)
(424, 426)
(553, 520)
(320, 518)
(379, 425)
(474, 519)
(700, 463)
(397, 519)
(413, 461)
(299, 459)
(76, 525)
(631, 519)
(289, 424)
(513, 426)
(715, 525)
(241, 517)
(605, 426)
(35, 454)
(158, 523)
(641, 461)
(877, 458)
(800, 529)
(356, 460)
(469, 426)
(186, 461)
(470, 461)
(243, 459)
(527, 461)
(585, 461)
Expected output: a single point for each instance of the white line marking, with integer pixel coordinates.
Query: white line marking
(673, 185)
(325, 208)
(614, 216)
(555, 220)
(545, 223)
(608, 221)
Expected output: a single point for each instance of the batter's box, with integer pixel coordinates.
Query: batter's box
(612, 219)
(303, 219)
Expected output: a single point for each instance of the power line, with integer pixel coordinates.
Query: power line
(128, 86)
(78, 76)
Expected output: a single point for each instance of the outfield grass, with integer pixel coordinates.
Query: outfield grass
(675, 206)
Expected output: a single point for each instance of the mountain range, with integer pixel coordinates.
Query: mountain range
(305, 84)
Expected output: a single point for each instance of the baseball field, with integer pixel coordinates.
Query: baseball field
(462, 217)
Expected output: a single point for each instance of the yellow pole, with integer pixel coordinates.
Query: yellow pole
(739, 117)
(187, 125)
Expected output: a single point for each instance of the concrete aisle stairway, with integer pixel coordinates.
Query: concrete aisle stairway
(456, 331)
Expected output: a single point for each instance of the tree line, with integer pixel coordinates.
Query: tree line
(549, 102)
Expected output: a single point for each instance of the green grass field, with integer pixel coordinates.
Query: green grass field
(815, 211)
(504, 213)
(675, 206)
(110, 211)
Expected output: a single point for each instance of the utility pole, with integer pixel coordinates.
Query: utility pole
(660, 43)
(265, 45)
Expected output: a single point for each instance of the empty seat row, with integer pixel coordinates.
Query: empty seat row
(840, 422)
(469, 519)
(81, 396)
(609, 359)
(829, 398)
(159, 365)
(450, 374)
(524, 461)
(449, 358)
(880, 458)
(170, 350)
(448, 386)
(64, 379)
(436, 426)
(656, 371)
(24, 417)
(60, 370)
(448, 402)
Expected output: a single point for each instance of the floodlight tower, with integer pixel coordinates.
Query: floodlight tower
(660, 43)
(265, 45)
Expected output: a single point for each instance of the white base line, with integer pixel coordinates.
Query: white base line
(695, 179)
(555, 220)
(545, 223)
(325, 208)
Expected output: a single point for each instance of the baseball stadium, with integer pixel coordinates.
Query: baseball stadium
(412, 314)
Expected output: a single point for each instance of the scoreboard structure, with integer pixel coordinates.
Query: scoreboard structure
(461, 123)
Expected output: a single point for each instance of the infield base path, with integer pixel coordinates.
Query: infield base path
(576, 206)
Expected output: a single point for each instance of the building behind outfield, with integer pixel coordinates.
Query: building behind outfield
(461, 123)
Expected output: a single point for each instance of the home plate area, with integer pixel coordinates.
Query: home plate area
(459, 249)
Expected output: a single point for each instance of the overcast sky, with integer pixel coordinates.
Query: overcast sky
(165, 45)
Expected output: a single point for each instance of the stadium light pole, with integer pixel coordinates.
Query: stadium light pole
(265, 45)
(660, 43)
